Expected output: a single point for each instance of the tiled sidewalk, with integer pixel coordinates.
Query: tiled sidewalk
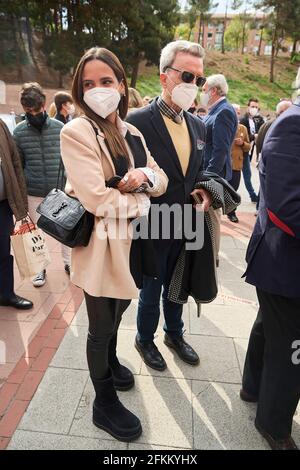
(183, 407)
(29, 339)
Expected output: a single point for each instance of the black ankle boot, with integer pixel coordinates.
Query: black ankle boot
(122, 377)
(110, 415)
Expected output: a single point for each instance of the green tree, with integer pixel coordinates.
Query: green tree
(280, 16)
(203, 9)
(183, 31)
(147, 31)
(63, 29)
(293, 28)
(234, 34)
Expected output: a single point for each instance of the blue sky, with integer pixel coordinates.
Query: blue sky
(221, 7)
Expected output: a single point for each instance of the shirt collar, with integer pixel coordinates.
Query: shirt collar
(169, 112)
(217, 102)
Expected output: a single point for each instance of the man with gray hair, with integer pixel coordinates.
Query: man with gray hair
(175, 139)
(221, 125)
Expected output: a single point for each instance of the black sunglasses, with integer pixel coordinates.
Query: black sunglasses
(188, 77)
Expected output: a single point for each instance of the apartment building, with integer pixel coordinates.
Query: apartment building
(212, 32)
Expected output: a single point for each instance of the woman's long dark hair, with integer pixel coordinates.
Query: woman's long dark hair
(115, 141)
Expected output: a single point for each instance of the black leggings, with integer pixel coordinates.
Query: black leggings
(104, 315)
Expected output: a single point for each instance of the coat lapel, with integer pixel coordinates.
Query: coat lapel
(137, 149)
(134, 142)
(101, 140)
(193, 134)
(105, 151)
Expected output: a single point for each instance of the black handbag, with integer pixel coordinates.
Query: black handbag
(64, 218)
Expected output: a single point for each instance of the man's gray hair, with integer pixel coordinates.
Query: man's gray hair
(169, 52)
(219, 82)
(283, 106)
(236, 106)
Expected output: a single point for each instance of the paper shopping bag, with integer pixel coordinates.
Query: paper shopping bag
(30, 250)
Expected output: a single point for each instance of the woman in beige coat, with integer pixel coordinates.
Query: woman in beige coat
(95, 148)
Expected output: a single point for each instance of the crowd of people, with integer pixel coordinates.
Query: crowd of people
(134, 155)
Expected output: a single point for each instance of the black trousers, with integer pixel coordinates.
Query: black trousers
(6, 259)
(104, 315)
(235, 183)
(272, 366)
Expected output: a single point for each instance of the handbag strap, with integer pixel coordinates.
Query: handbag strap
(60, 174)
(61, 168)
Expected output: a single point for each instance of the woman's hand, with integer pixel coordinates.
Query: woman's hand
(132, 180)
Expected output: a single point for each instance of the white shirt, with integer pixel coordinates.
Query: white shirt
(252, 125)
(216, 102)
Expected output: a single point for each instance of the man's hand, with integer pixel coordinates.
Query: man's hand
(203, 196)
(239, 141)
(132, 180)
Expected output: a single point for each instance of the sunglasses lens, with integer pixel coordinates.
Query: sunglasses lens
(200, 81)
(187, 77)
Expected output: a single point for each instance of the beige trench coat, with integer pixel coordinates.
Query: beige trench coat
(102, 268)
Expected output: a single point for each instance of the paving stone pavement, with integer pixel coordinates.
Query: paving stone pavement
(184, 407)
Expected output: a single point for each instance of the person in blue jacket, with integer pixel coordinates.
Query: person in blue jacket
(272, 368)
(221, 125)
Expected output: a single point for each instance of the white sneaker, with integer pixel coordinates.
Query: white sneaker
(40, 279)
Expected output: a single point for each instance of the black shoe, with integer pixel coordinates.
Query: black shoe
(67, 269)
(184, 350)
(110, 415)
(16, 302)
(245, 396)
(233, 218)
(150, 354)
(277, 444)
(254, 198)
(122, 377)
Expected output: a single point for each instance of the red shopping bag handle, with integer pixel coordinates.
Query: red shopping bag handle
(25, 227)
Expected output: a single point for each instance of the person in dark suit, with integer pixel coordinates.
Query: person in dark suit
(272, 367)
(221, 126)
(253, 121)
(176, 140)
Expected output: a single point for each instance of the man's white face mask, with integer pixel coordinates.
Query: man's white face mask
(253, 111)
(204, 98)
(71, 110)
(183, 95)
(103, 101)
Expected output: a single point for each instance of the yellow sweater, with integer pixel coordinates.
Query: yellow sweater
(181, 139)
